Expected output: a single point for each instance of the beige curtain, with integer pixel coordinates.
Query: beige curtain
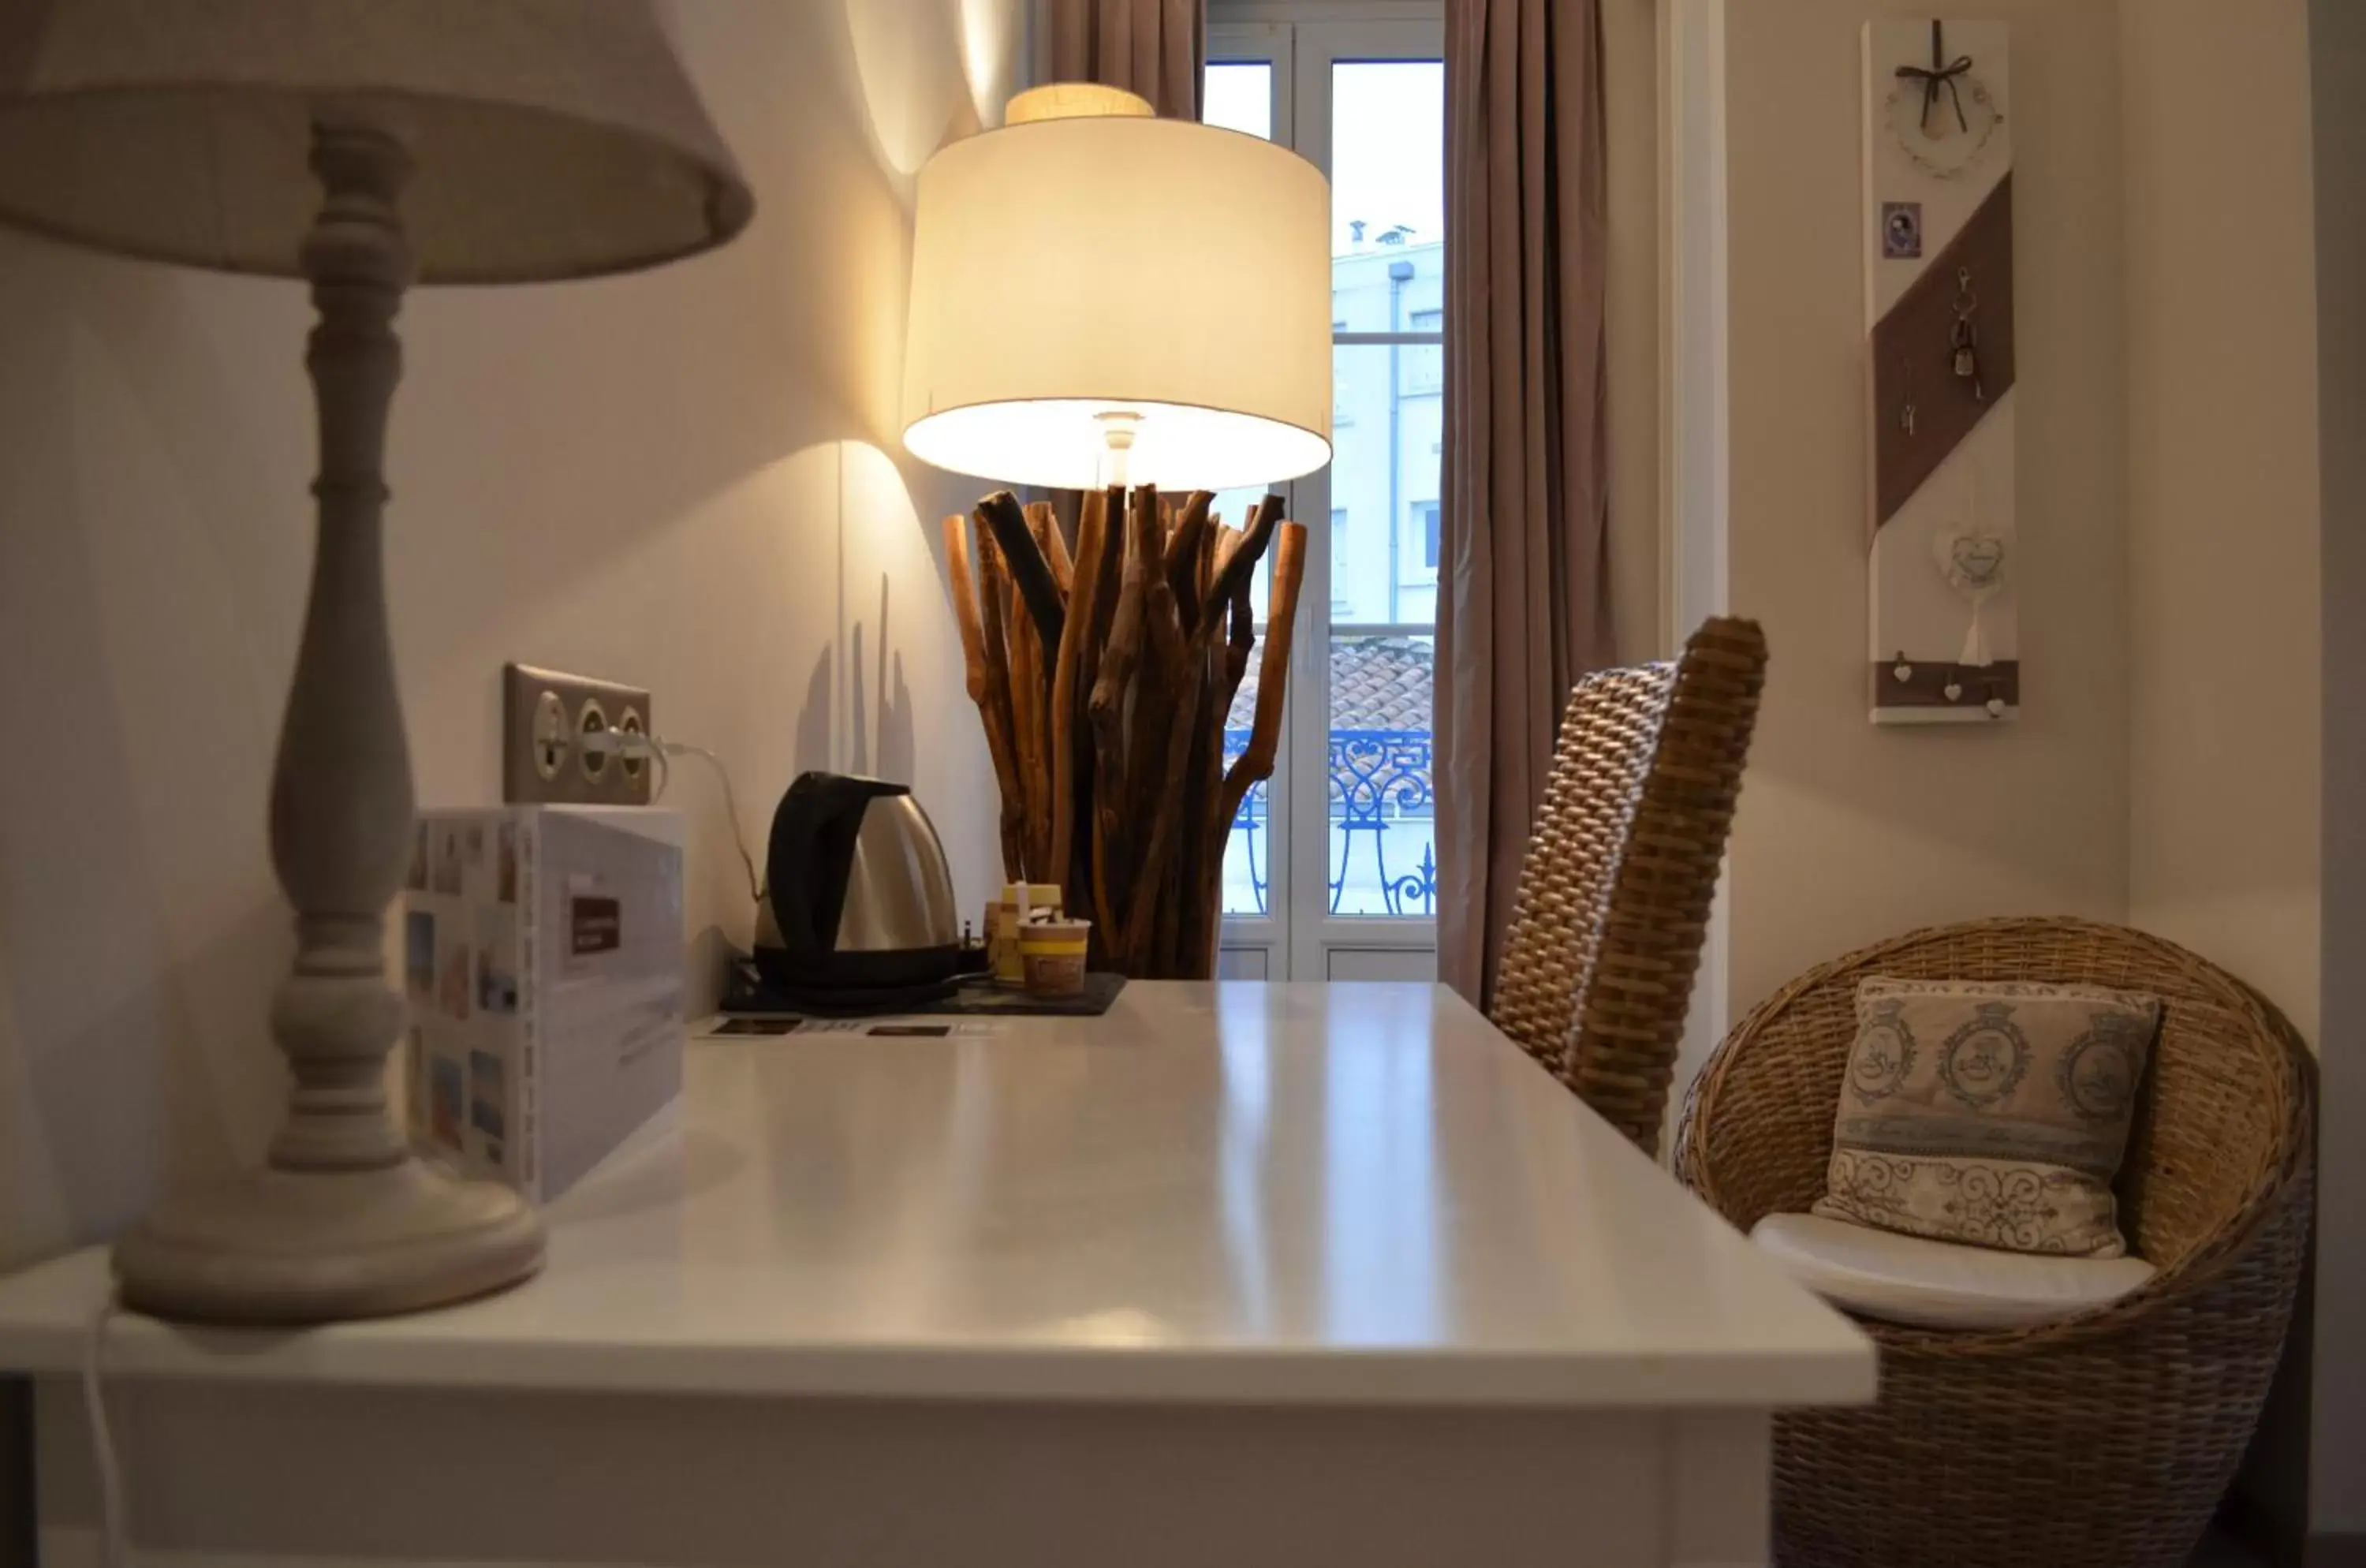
(1524, 592)
(1150, 47)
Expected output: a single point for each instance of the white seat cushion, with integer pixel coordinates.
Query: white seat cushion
(1938, 1284)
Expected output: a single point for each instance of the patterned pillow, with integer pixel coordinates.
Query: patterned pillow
(1991, 1113)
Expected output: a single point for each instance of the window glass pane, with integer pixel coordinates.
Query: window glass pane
(1240, 97)
(1383, 827)
(1341, 543)
(1387, 156)
(1248, 852)
(1388, 229)
(1387, 276)
(1424, 364)
(1382, 593)
(1384, 490)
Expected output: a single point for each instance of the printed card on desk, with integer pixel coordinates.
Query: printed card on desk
(544, 963)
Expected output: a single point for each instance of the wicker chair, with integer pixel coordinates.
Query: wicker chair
(2101, 1441)
(1615, 891)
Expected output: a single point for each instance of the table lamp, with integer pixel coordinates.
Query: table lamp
(548, 138)
(1102, 299)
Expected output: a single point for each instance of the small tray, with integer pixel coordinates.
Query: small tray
(986, 998)
(977, 998)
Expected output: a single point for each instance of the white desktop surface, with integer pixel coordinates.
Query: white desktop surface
(1312, 1194)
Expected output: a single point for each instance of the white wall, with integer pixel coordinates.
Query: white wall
(2222, 487)
(2223, 652)
(683, 478)
(1846, 832)
(2166, 769)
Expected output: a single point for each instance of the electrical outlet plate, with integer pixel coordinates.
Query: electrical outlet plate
(544, 714)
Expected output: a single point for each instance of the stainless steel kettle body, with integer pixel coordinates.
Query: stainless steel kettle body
(899, 893)
(860, 894)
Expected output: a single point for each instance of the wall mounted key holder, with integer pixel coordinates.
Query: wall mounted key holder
(1944, 643)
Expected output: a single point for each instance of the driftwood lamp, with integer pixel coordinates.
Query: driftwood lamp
(1140, 309)
(361, 146)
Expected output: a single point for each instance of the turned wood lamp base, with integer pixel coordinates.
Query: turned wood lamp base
(344, 1221)
(278, 1246)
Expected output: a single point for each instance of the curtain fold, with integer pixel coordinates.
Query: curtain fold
(1524, 594)
(1150, 47)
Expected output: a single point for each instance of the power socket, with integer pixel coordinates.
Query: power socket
(546, 714)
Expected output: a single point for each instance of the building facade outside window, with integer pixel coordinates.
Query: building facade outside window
(1340, 540)
(1389, 427)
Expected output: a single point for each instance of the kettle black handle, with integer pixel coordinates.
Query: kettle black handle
(810, 858)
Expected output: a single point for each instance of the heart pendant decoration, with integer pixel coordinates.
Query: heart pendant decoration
(1977, 557)
(1973, 561)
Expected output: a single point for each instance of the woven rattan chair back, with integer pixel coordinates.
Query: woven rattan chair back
(1615, 891)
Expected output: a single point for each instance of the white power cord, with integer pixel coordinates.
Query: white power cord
(114, 1538)
(666, 748)
(633, 744)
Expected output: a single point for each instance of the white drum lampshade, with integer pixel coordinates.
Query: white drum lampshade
(362, 146)
(1086, 261)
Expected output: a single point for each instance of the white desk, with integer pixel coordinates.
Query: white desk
(1240, 1274)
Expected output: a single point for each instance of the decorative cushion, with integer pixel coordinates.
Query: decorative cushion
(1990, 1113)
(1937, 1284)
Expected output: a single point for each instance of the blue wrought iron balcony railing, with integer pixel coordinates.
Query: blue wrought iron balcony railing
(1381, 799)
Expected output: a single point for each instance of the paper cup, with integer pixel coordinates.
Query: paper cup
(1051, 953)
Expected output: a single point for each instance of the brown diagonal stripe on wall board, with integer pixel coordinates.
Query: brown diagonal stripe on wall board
(1913, 355)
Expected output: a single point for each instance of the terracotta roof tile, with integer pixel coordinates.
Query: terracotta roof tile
(1376, 682)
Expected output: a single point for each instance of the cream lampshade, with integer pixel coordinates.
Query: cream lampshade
(359, 145)
(1089, 270)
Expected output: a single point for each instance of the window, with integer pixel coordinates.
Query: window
(1340, 855)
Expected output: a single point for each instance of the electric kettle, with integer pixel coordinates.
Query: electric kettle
(860, 898)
